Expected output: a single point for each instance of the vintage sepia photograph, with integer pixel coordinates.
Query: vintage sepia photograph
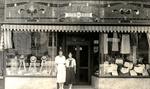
(74, 44)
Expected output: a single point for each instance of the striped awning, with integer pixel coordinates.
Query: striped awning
(76, 28)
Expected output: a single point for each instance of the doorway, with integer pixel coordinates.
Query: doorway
(80, 48)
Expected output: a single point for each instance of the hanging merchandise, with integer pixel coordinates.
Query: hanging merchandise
(148, 38)
(7, 39)
(115, 41)
(43, 42)
(134, 53)
(1, 41)
(105, 44)
(22, 42)
(125, 44)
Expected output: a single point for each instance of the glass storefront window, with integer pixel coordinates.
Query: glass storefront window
(30, 53)
(124, 54)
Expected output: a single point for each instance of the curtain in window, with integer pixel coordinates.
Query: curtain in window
(115, 41)
(43, 42)
(125, 44)
(5, 40)
(1, 41)
(22, 42)
(105, 43)
(148, 38)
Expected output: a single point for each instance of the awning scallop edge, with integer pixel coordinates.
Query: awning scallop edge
(75, 28)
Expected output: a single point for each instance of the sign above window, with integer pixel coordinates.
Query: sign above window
(78, 15)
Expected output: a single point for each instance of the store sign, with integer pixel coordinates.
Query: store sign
(78, 15)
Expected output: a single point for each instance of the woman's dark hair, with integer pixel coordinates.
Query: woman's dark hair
(60, 51)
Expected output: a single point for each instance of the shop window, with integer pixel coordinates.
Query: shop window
(30, 53)
(124, 54)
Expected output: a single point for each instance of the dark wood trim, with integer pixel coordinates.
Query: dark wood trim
(148, 54)
(89, 63)
(78, 64)
(101, 49)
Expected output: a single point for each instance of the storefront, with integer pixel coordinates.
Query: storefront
(103, 54)
(109, 40)
(122, 55)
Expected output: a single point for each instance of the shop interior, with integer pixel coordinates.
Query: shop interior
(33, 53)
(101, 54)
(124, 55)
(29, 53)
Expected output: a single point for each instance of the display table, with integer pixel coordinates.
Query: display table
(120, 83)
(30, 83)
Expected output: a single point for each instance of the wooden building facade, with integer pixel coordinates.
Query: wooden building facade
(110, 41)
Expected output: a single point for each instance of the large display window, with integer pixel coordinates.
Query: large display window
(124, 54)
(29, 53)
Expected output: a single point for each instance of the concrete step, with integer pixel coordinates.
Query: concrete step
(80, 87)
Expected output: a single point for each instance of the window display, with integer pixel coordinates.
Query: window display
(126, 55)
(31, 54)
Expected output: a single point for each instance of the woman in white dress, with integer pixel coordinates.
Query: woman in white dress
(61, 69)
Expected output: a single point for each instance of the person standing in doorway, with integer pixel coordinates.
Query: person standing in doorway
(60, 61)
(70, 70)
